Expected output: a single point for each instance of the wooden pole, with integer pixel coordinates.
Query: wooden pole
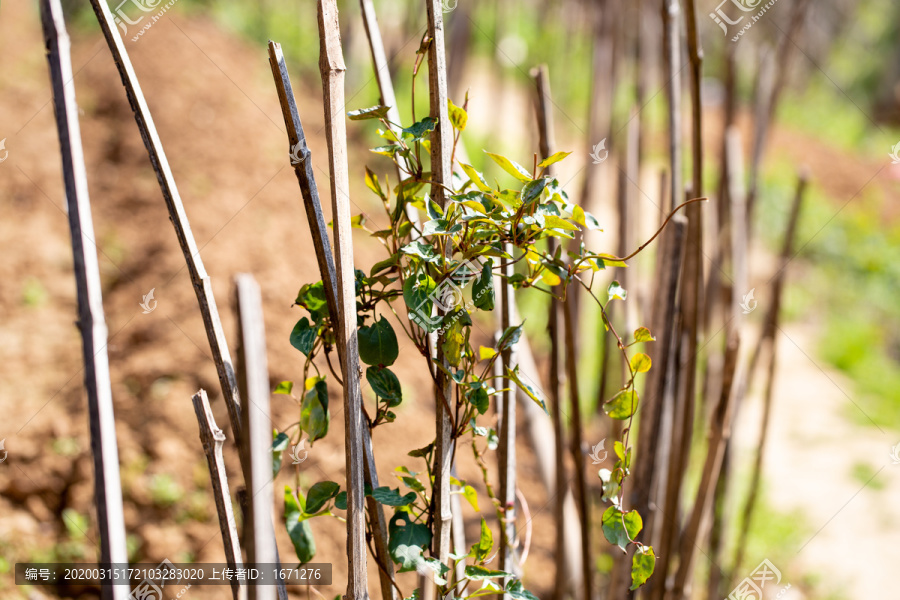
(91, 321)
(719, 432)
(767, 338)
(547, 144)
(213, 439)
(507, 452)
(331, 65)
(257, 425)
(325, 259)
(441, 149)
(201, 282)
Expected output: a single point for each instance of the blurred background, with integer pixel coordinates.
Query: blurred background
(829, 80)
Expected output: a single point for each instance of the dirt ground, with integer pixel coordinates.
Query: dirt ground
(214, 105)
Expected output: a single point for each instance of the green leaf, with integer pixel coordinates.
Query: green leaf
(530, 391)
(517, 591)
(284, 387)
(623, 405)
(420, 130)
(615, 290)
(483, 288)
(485, 544)
(476, 177)
(378, 343)
(479, 399)
(533, 189)
(471, 495)
(340, 501)
(642, 334)
(510, 337)
(458, 116)
(314, 415)
(620, 528)
(319, 494)
(403, 534)
(303, 336)
(642, 565)
(280, 443)
(417, 293)
(312, 298)
(612, 261)
(299, 531)
(422, 250)
(640, 363)
(387, 263)
(514, 169)
(373, 112)
(552, 159)
(385, 384)
(585, 219)
(392, 497)
(478, 573)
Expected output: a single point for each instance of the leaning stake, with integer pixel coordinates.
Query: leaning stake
(201, 281)
(107, 489)
(302, 163)
(331, 65)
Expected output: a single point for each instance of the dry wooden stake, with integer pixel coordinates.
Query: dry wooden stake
(509, 561)
(441, 149)
(259, 535)
(767, 338)
(302, 163)
(202, 285)
(719, 433)
(91, 321)
(213, 439)
(331, 65)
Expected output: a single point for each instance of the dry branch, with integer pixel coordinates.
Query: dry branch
(331, 65)
(200, 280)
(91, 321)
(213, 439)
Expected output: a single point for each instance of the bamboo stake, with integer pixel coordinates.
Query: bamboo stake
(441, 149)
(767, 338)
(257, 424)
(91, 321)
(386, 89)
(199, 278)
(331, 65)
(507, 452)
(673, 251)
(785, 53)
(547, 143)
(719, 433)
(581, 495)
(325, 260)
(213, 439)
